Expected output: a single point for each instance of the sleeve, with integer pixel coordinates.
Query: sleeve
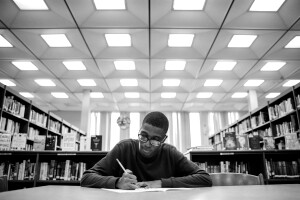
(104, 174)
(187, 174)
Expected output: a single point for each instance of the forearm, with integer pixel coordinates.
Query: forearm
(92, 179)
(200, 179)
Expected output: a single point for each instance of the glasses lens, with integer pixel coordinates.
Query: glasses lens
(143, 138)
(155, 142)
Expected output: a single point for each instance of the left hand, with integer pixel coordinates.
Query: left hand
(149, 184)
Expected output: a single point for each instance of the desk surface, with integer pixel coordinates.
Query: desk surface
(257, 192)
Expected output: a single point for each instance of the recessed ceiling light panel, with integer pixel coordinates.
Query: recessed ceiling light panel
(74, 65)
(253, 83)
(110, 4)
(180, 40)
(56, 40)
(31, 4)
(124, 65)
(266, 5)
(242, 41)
(118, 40)
(24, 65)
(45, 82)
(4, 42)
(225, 65)
(213, 82)
(188, 4)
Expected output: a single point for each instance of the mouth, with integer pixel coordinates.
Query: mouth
(147, 151)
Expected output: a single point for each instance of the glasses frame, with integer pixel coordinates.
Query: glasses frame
(151, 140)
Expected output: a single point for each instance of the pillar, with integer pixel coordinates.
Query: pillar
(252, 100)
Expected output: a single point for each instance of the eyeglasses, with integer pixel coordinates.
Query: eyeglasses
(153, 142)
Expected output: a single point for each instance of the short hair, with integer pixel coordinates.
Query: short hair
(157, 119)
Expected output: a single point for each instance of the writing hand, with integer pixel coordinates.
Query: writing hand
(127, 181)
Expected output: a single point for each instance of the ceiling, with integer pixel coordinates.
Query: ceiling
(149, 23)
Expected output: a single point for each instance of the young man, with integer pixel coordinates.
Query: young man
(149, 162)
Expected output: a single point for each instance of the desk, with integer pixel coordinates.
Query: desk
(253, 192)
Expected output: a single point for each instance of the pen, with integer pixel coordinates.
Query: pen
(121, 166)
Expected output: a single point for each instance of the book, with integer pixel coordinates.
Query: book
(51, 142)
(291, 141)
(242, 142)
(96, 143)
(5, 141)
(39, 142)
(69, 142)
(19, 141)
(254, 141)
(269, 143)
(229, 141)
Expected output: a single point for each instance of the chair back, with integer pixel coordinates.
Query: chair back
(227, 179)
(3, 184)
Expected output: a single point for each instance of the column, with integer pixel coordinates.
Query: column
(252, 100)
(85, 116)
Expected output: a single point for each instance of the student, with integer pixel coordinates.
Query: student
(149, 162)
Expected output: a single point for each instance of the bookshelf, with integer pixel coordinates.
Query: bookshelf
(272, 131)
(20, 117)
(27, 169)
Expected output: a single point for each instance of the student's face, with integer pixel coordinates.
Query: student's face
(146, 149)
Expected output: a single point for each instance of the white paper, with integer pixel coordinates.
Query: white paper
(145, 190)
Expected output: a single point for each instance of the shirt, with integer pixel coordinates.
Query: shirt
(168, 165)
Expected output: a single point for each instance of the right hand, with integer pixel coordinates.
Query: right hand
(127, 181)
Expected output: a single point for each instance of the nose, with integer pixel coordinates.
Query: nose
(148, 143)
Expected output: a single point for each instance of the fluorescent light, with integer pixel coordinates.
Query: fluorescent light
(253, 83)
(266, 5)
(204, 95)
(291, 83)
(188, 4)
(225, 65)
(74, 65)
(129, 82)
(110, 4)
(168, 95)
(45, 82)
(24, 65)
(31, 4)
(213, 82)
(180, 40)
(239, 95)
(272, 66)
(242, 40)
(86, 82)
(4, 42)
(294, 43)
(175, 65)
(118, 40)
(124, 65)
(56, 40)
(60, 95)
(171, 82)
(272, 95)
(132, 95)
(26, 94)
(7, 82)
(96, 95)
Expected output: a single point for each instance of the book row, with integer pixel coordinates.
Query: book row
(13, 106)
(65, 170)
(224, 167)
(260, 140)
(283, 169)
(23, 170)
